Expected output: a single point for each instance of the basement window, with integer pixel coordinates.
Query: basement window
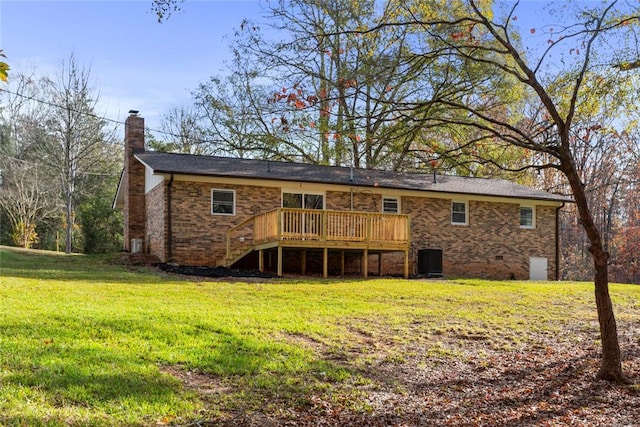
(459, 213)
(223, 202)
(527, 217)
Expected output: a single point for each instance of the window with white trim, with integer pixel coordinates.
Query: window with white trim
(390, 205)
(527, 217)
(459, 214)
(223, 202)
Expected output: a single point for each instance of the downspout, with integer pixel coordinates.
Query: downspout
(558, 241)
(169, 232)
(351, 199)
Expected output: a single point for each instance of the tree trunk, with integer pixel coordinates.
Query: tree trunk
(69, 224)
(611, 364)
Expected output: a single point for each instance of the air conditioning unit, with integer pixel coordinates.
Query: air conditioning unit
(136, 246)
(430, 262)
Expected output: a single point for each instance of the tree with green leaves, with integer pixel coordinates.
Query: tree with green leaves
(304, 86)
(100, 225)
(579, 52)
(308, 84)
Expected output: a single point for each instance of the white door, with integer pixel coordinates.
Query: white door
(537, 268)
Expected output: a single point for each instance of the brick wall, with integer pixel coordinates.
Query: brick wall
(362, 201)
(156, 223)
(492, 245)
(133, 181)
(199, 238)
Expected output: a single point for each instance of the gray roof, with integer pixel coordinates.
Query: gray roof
(184, 164)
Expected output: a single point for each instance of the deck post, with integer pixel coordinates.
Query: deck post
(303, 261)
(279, 261)
(365, 263)
(261, 260)
(406, 263)
(380, 264)
(325, 262)
(342, 263)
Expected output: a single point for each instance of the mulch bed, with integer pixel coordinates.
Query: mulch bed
(215, 272)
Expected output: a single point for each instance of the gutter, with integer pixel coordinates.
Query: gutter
(558, 241)
(169, 231)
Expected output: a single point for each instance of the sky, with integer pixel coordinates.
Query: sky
(136, 63)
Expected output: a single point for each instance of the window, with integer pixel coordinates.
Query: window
(459, 213)
(302, 201)
(390, 205)
(527, 217)
(223, 202)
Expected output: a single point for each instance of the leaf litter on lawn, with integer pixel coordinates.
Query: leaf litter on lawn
(548, 383)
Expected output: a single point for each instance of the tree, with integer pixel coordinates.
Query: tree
(319, 92)
(4, 68)
(550, 128)
(26, 197)
(306, 84)
(28, 194)
(22, 119)
(625, 241)
(182, 132)
(101, 226)
(49, 136)
(77, 142)
(240, 121)
(605, 155)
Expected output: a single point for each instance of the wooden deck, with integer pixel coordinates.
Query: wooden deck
(319, 229)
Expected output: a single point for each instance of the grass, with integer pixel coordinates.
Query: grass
(85, 341)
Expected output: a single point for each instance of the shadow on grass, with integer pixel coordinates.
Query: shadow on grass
(47, 265)
(119, 372)
(63, 385)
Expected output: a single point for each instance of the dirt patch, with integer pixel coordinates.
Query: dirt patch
(203, 384)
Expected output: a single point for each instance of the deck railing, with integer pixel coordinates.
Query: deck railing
(318, 227)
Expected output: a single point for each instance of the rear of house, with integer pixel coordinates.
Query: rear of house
(307, 219)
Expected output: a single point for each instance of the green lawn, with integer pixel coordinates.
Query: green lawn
(85, 341)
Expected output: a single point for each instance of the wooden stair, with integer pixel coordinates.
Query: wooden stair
(237, 255)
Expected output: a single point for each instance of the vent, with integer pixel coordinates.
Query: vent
(430, 262)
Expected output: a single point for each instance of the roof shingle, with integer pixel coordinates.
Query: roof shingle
(171, 163)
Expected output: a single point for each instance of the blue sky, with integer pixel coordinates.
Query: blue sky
(136, 63)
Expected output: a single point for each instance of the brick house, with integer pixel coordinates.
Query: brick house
(327, 220)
